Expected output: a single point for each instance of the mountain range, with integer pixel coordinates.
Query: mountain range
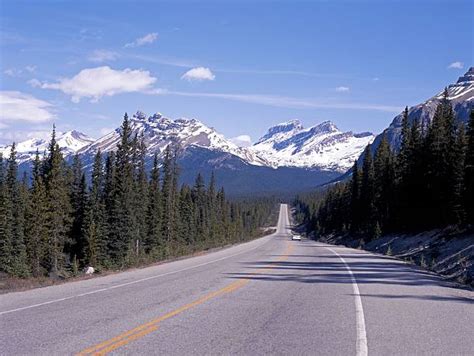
(288, 157)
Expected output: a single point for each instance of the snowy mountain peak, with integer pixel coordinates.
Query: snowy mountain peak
(159, 131)
(281, 130)
(69, 142)
(321, 146)
(324, 127)
(462, 90)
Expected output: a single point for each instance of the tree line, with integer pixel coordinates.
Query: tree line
(57, 221)
(428, 183)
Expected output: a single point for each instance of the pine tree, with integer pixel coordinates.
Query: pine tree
(59, 207)
(78, 203)
(16, 218)
(169, 199)
(154, 214)
(199, 199)
(440, 141)
(140, 196)
(36, 221)
(122, 225)
(95, 229)
(383, 179)
(457, 177)
(5, 223)
(355, 198)
(405, 145)
(367, 193)
(469, 172)
(186, 226)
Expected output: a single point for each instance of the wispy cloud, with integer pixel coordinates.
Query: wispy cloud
(147, 39)
(103, 55)
(342, 89)
(15, 72)
(198, 74)
(18, 106)
(164, 60)
(112, 82)
(456, 65)
(284, 101)
(281, 72)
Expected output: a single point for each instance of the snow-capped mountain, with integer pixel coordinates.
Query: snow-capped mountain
(322, 146)
(69, 142)
(158, 132)
(461, 95)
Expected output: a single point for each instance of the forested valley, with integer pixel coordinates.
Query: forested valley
(59, 221)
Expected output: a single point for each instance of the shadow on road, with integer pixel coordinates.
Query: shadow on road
(371, 270)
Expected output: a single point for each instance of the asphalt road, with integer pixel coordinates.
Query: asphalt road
(269, 296)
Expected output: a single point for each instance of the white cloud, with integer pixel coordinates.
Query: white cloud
(35, 83)
(17, 106)
(94, 83)
(11, 72)
(147, 39)
(30, 69)
(342, 89)
(376, 79)
(102, 55)
(242, 140)
(456, 65)
(198, 74)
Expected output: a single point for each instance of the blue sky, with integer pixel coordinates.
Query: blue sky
(238, 66)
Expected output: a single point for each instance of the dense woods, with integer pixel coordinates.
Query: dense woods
(428, 183)
(57, 221)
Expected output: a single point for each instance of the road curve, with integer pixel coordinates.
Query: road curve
(268, 296)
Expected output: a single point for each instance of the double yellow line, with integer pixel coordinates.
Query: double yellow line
(147, 328)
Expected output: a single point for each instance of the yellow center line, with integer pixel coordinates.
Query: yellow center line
(147, 328)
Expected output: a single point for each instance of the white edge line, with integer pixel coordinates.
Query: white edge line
(129, 283)
(361, 343)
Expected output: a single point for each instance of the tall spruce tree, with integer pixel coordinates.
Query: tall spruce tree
(78, 204)
(469, 172)
(37, 221)
(59, 206)
(5, 225)
(154, 214)
(95, 228)
(367, 193)
(122, 223)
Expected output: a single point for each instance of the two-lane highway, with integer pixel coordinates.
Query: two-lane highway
(268, 296)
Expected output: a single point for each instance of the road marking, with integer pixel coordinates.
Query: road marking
(127, 340)
(145, 329)
(128, 283)
(361, 343)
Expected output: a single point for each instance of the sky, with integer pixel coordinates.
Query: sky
(238, 66)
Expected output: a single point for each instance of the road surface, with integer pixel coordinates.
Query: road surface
(268, 296)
